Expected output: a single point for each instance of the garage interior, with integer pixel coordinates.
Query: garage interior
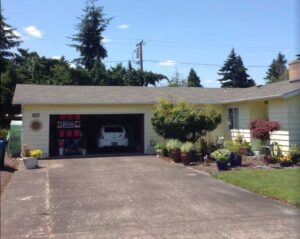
(78, 134)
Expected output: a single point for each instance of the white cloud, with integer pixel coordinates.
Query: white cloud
(123, 26)
(210, 81)
(33, 31)
(56, 57)
(167, 63)
(106, 40)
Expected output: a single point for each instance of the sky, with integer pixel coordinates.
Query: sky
(178, 34)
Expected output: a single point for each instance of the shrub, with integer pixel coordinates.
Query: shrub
(261, 129)
(181, 121)
(233, 146)
(187, 147)
(221, 154)
(173, 144)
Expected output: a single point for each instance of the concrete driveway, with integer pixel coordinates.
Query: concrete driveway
(136, 197)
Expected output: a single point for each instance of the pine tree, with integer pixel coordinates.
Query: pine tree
(8, 40)
(234, 73)
(277, 70)
(89, 37)
(193, 79)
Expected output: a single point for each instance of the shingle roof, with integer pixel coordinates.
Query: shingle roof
(54, 94)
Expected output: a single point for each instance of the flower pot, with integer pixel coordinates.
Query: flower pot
(296, 158)
(175, 155)
(235, 160)
(286, 164)
(186, 158)
(222, 165)
(30, 162)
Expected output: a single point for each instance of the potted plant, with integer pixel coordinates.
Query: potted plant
(173, 146)
(222, 157)
(186, 152)
(235, 153)
(294, 153)
(30, 157)
(285, 161)
(160, 149)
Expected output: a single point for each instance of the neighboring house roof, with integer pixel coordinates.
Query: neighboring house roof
(54, 94)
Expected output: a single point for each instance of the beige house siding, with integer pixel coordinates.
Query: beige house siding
(40, 139)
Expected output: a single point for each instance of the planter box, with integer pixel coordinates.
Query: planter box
(235, 160)
(176, 156)
(30, 162)
(186, 158)
(222, 165)
(286, 164)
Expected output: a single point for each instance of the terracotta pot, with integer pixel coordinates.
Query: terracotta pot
(186, 158)
(176, 156)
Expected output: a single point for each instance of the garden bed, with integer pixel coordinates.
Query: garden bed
(249, 162)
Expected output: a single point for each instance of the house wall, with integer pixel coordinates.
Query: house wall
(40, 139)
(278, 111)
(294, 119)
(244, 120)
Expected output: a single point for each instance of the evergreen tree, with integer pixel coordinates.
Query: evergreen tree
(193, 79)
(234, 73)
(277, 70)
(133, 77)
(89, 37)
(8, 40)
(98, 74)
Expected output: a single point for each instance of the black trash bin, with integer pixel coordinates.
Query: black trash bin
(2, 152)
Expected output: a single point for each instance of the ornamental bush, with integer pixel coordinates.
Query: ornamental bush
(181, 121)
(261, 128)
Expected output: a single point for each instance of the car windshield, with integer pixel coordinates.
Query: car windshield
(113, 129)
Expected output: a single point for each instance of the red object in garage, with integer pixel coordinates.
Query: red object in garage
(61, 143)
(62, 117)
(77, 117)
(61, 133)
(69, 133)
(76, 133)
(69, 117)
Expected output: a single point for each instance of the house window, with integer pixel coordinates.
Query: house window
(233, 118)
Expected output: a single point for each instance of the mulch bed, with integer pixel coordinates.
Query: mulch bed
(10, 166)
(248, 162)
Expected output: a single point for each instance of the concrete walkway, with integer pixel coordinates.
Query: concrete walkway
(136, 197)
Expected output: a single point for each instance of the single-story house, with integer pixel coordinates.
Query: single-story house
(56, 117)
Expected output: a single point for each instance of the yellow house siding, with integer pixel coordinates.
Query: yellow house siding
(294, 119)
(278, 111)
(244, 116)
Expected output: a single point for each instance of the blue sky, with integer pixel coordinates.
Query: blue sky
(179, 34)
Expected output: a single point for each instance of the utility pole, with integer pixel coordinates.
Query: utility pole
(139, 54)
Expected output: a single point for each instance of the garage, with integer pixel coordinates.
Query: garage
(95, 134)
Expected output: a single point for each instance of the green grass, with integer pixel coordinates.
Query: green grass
(282, 184)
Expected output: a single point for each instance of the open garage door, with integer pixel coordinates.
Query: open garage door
(96, 134)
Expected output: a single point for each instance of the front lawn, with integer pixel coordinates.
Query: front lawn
(282, 184)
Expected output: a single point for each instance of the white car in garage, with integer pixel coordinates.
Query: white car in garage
(112, 135)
